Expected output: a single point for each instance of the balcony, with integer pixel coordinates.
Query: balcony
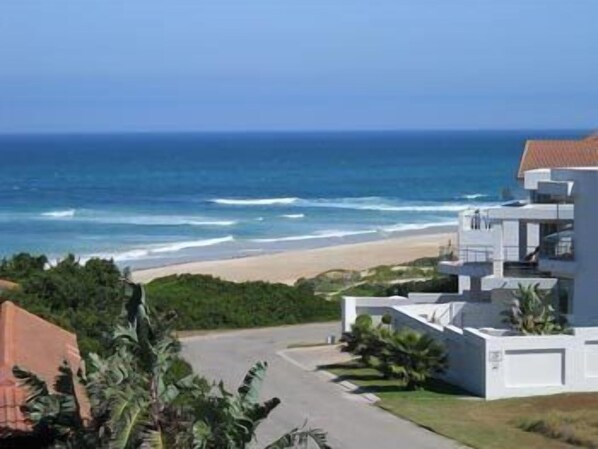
(558, 246)
(476, 261)
(557, 253)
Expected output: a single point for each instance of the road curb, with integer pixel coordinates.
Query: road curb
(345, 384)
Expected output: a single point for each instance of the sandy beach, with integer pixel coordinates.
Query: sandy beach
(289, 266)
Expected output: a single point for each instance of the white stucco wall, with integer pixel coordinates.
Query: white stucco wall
(585, 197)
(494, 363)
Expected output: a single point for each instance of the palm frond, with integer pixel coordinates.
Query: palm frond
(251, 387)
(300, 439)
(34, 384)
(153, 439)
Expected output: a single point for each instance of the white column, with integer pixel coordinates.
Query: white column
(349, 313)
(498, 250)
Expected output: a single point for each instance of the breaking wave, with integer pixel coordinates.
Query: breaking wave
(111, 217)
(254, 202)
(160, 249)
(293, 216)
(317, 235)
(68, 213)
(364, 203)
(474, 196)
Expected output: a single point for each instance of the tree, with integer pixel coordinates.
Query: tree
(136, 403)
(21, 266)
(531, 313)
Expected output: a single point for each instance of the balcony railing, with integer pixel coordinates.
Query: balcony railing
(557, 250)
(475, 220)
(485, 254)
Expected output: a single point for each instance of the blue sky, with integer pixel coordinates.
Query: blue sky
(171, 65)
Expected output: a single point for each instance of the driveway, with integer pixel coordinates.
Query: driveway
(349, 419)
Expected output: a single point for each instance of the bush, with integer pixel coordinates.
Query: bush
(409, 356)
(206, 302)
(412, 357)
(82, 298)
(85, 297)
(440, 284)
(532, 314)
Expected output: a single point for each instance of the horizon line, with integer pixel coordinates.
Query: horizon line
(290, 131)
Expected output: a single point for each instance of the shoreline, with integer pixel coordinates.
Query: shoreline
(288, 266)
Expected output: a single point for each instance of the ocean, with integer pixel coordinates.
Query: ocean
(154, 199)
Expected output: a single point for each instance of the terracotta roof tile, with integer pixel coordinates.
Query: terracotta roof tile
(559, 153)
(34, 344)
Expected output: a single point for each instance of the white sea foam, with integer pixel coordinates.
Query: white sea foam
(317, 235)
(68, 213)
(178, 246)
(293, 216)
(254, 202)
(339, 234)
(362, 203)
(384, 205)
(474, 196)
(159, 249)
(416, 226)
(111, 217)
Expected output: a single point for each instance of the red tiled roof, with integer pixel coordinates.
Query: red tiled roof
(559, 153)
(34, 344)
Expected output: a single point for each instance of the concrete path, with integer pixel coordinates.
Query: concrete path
(349, 419)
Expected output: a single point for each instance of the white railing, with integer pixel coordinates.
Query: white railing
(475, 220)
(485, 253)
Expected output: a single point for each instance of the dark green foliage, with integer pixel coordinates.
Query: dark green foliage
(412, 357)
(205, 302)
(21, 266)
(424, 262)
(409, 356)
(83, 298)
(440, 284)
(531, 312)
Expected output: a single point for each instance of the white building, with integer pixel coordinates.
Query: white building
(549, 240)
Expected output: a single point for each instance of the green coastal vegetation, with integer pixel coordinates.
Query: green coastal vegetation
(85, 298)
(420, 275)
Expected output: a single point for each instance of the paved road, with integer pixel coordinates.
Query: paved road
(350, 421)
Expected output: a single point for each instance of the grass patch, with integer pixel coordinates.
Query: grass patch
(545, 422)
(579, 429)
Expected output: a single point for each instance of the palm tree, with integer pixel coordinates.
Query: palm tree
(135, 403)
(413, 357)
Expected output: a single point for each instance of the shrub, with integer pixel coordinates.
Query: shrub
(206, 302)
(440, 284)
(406, 355)
(85, 298)
(531, 313)
(387, 319)
(412, 357)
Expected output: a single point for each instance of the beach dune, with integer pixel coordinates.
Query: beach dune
(289, 266)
